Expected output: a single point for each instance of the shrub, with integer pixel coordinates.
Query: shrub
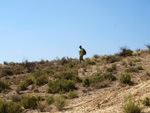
(4, 86)
(134, 69)
(102, 84)
(140, 68)
(14, 108)
(6, 72)
(148, 73)
(86, 82)
(61, 86)
(96, 56)
(41, 80)
(15, 98)
(112, 68)
(3, 106)
(41, 106)
(37, 74)
(22, 86)
(112, 59)
(90, 62)
(131, 69)
(72, 95)
(60, 103)
(69, 75)
(49, 100)
(125, 79)
(131, 107)
(29, 80)
(29, 102)
(109, 76)
(125, 52)
(9, 107)
(146, 101)
(63, 61)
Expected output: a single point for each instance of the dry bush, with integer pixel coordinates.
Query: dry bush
(125, 52)
(60, 103)
(131, 107)
(112, 59)
(102, 84)
(72, 95)
(125, 79)
(4, 86)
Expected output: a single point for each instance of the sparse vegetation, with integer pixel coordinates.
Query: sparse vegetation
(60, 103)
(133, 69)
(62, 78)
(146, 101)
(125, 78)
(9, 107)
(91, 62)
(29, 102)
(86, 82)
(4, 86)
(61, 86)
(49, 100)
(72, 95)
(43, 79)
(131, 107)
(6, 72)
(112, 68)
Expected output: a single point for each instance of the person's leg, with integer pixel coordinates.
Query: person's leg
(81, 58)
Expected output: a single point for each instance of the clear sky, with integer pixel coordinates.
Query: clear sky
(46, 29)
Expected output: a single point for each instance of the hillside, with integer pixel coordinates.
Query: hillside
(93, 86)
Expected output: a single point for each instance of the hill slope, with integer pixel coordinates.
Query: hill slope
(104, 94)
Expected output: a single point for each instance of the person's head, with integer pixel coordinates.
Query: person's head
(80, 47)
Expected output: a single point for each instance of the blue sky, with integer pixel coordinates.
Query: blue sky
(46, 29)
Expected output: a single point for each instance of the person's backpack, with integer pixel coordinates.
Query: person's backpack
(84, 52)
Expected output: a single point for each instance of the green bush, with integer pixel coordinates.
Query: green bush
(125, 79)
(9, 107)
(4, 86)
(131, 107)
(72, 95)
(60, 103)
(29, 102)
(86, 82)
(146, 101)
(61, 86)
(14, 108)
(43, 79)
(49, 100)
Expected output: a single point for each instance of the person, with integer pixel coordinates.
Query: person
(81, 54)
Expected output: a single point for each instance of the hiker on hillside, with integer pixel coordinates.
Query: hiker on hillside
(82, 52)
